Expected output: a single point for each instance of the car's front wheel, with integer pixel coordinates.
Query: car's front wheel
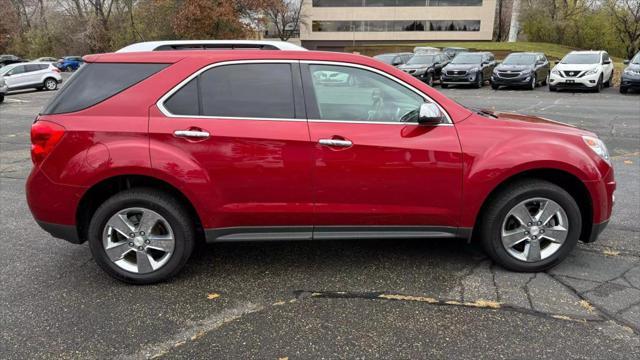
(534, 82)
(1, 98)
(530, 226)
(141, 236)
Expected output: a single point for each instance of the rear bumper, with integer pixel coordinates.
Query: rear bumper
(53, 206)
(596, 230)
(64, 232)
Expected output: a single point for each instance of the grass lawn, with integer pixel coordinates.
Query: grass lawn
(500, 49)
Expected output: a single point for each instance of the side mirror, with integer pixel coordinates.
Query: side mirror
(556, 62)
(626, 62)
(396, 63)
(607, 62)
(430, 114)
(539, 62)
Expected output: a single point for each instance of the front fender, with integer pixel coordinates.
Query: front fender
(513, 153)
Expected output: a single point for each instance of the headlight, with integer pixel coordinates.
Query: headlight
(554, 71)
(592, 71)
(597, 146)
(632, 72)
(474, 70)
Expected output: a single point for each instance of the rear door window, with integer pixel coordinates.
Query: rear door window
(96, 82)
(238, 90)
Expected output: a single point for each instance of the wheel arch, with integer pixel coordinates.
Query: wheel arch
(564, 179)
(102, 190)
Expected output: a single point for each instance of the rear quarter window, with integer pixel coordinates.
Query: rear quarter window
(96, 82)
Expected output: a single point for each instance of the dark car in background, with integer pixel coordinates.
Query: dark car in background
(470, 68)
(426, 67)
(7, 59)
(524, 69)
(631, 75)
(451, 52)
(395, 59)
(70, 63)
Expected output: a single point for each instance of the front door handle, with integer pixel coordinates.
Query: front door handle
(192, 134)
(335, 143)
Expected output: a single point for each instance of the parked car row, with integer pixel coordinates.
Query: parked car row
(67, 63)
(588, 70)
(37, 75)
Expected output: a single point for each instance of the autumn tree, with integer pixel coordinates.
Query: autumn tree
(284, 15)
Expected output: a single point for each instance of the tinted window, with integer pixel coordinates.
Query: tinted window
(185, 101)
(94, 83)
(248, 90)
(30, 68)
(352, 94)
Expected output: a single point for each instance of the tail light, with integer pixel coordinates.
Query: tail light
(45, 135)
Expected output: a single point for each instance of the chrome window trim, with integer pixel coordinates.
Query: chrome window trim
(166, 96)
(388, 76)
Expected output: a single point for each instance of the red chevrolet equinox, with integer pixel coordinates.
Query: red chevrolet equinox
(145, 154)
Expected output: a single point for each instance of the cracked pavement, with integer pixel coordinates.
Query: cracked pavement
(331, 299)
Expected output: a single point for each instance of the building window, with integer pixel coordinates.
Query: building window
(397, 26)
(381, 3)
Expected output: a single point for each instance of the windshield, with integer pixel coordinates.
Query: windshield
(636, 60)
(421, 60)
(387, 59)
(519, 59)
(467, 59)
(581, 59)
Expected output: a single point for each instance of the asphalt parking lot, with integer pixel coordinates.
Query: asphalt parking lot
(333, 299)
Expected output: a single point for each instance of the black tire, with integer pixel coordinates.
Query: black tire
(534, 82)
(623, 90)
(599, 85)
(445, 86)
(608, 83)
(167, 206)
(545, 82)
(495, 86)
(1, 98)
(490, 223)
(552, 88)
(50, 84)
(429, 79)
(480, 81)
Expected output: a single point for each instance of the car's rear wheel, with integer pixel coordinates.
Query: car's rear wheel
(1, 98)
(623, 90)
(530, 226)
(50, 84)
(141, 236)
(545, 81)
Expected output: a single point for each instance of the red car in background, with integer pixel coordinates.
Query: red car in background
(143, 154)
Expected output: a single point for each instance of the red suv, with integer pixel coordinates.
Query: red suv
(143, 154)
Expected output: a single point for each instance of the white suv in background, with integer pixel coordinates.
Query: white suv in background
(37, 75)
(582, 70)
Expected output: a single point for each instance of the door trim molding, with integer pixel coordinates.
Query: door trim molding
(290, 233)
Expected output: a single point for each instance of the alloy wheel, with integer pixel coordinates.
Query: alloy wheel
(50, 84)
(534, 229)
(138, 240)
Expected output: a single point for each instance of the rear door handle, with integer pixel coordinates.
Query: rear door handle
(192, 134)
(335, 142)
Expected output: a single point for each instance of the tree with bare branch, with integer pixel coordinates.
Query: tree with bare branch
(627, 16)
(285, 16)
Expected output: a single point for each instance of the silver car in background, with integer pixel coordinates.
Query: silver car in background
(37, 75)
